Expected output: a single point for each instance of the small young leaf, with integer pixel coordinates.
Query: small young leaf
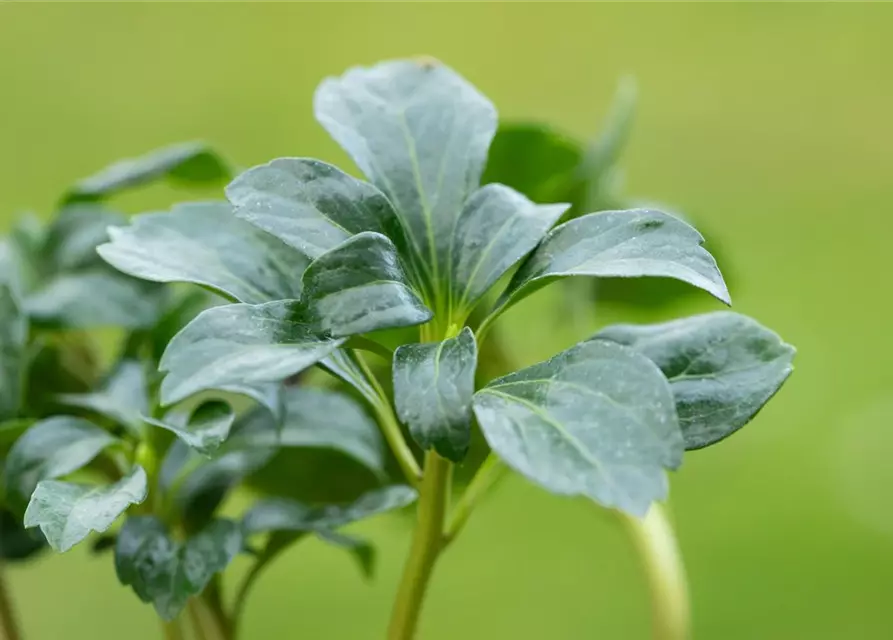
(188, 162)
(122, 397)
(630, 243)
(360, 548)
(359, 286)
(13, 338)
(596, 420)
(66, 513)
(205, 429)
(722, 367)
(166, 572)
(240, 344)
(204, 243)
(310, 205)
(50, 449)
(433, 386)
(497, 227)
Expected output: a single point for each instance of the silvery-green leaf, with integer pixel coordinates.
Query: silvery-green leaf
(433, 386)
(13, 339)
(241, 344)
(187, 162)
(420, 133)
(52, 448)
(359, 286)
(66, 513)
(628, 243)
(204, 243)
(722, 367)
(167, 572)
(309, 204)
(204, 429)
(497, 227)
(597, 420)
(122, 397)
(21, 255)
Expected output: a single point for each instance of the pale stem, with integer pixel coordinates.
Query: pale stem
(489, 473)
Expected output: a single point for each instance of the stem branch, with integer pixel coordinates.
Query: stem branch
(489, 473)
(8, 625)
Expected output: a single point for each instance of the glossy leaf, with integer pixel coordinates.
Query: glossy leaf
(13, 339)
(122, 397)
(50, 449)
(343, 364)
(497, 227)
(241, 344)
(66, 513)
(630, 243)
(433, 386)
(359, 286)
(204, 243)
(167, 572)
(309, 204)
(420, 133)
(188, 162)
(597, 420)
(204, 429)
(722, 367)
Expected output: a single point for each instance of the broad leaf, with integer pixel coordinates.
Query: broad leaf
(420, 133)
(240, 344)
(359, 286)
(723, 367)
(597, 420)
(204, 429)
(188, 162)
(167, 572)
(72, 238)
(122, 397)
(433, 386)
(497, 227)
(315, 418)
(13, 338)
(50, 449)
(204, 243)
(66, 513)
(310, 205)
(630, 243)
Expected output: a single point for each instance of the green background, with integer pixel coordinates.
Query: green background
(770, 124)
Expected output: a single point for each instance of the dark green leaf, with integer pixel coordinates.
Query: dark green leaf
(722, 367)
(66, 363)
(497, 227)
(240, 344)
(66, 513)
(72, 238)
(433, 386)
(122, 397)
(182, 307)
(10, 431)
(359, 548)
(359, 286)
(204, 243)
(204, 429)
(309, 204)
(16, 542)
(50, 449)
(420, 133)
(166, 572)
(13, 338)
(596, 420)
(188, 162)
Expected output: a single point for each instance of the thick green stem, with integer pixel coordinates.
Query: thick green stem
(656, 543)
(8, 624)
(489, 473)
(427, 544)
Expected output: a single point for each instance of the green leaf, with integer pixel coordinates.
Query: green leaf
(359, 287)
(497, 227)
(186, 163)
(630, 243)
(66, 513)
(241, 344)
(50, 449)
(420, 133)
(204, 243)
(361, 549)
(16, 542)
(433, 386)
(310, 205)
(96, 297)
(122, 397)
(343, 364)
(21, 255)
(10, 431)
(315, 418)
(167, 572)
(204, 429)
(277, 514)
(597, 420)
(13, 339)
(72, 238)
(722, 367)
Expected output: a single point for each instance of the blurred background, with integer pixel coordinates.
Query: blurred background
(767, 124)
